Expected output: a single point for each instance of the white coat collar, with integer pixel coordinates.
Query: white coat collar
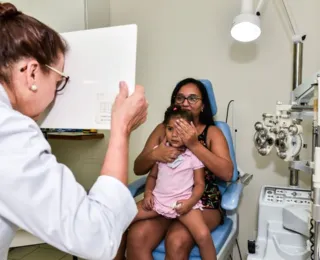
(4, 98)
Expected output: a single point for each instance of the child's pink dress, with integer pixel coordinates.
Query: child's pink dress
(175, 182)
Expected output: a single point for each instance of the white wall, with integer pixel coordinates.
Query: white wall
(66, 16)
(187, 38)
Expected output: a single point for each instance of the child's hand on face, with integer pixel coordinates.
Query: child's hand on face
(147, 203)
(183, 206)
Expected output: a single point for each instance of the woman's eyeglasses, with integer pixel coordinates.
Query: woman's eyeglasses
(192, 99)
(61, 84)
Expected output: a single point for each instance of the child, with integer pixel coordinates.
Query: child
(173, 190)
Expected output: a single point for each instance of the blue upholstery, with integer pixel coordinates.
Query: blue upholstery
(224, 128)
(137, 187)
(230, 192)
(211, 96)
(231, 197)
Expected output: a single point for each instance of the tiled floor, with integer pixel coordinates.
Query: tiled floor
(38, 252)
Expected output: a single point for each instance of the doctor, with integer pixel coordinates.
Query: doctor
(37, 193)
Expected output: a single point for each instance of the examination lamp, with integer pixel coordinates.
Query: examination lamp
(246, 26)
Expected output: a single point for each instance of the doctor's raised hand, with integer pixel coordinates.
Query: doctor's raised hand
(128, 113)
(38, 194)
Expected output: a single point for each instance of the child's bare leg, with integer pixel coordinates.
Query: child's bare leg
(144, 214)
(195, 223)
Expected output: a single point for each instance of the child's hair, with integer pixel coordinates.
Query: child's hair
(176, 111)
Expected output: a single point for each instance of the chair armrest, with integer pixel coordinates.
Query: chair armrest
(137, 187)
(231, 197)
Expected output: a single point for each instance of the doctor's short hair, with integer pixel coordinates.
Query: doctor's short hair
(22, 36)
(175, 111)
(206, 116)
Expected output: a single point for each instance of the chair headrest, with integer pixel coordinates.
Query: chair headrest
(223, 126)
(211, 96)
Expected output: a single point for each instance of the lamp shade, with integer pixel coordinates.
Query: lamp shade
(246, 28)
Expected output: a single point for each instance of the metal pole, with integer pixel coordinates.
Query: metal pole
(297, 64)
(296, 81)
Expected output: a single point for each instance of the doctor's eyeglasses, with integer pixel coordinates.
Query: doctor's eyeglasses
(61, 84)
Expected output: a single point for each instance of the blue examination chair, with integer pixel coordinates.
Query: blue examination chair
(224, 236)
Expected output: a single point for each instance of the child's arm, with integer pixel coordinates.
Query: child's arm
(147, 203)
(151, 179)
(199, 185)
(198, 189)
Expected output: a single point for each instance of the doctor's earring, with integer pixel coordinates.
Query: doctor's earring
(34, 88)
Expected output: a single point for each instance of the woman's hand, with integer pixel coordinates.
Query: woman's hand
(187, 132)
(128, 113)
(166, 154)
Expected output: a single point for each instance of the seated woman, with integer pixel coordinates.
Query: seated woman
(174, 190)
(209, 145)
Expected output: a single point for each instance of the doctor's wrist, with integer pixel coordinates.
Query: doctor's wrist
(120, 130)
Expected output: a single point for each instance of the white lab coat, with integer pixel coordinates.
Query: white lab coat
(42, 197)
